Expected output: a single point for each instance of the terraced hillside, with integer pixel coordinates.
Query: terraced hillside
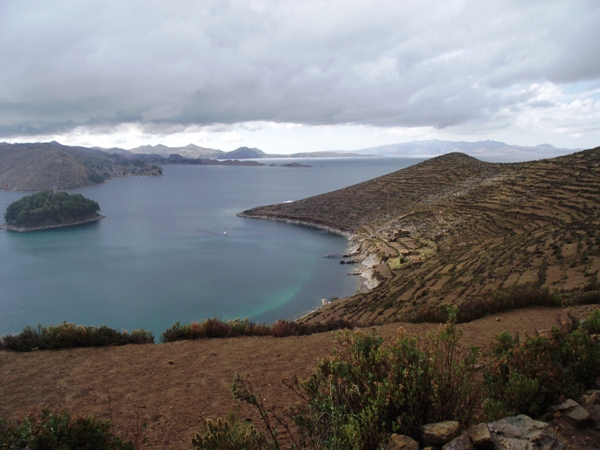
(455, 230)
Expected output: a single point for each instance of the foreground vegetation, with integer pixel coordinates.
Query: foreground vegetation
(59, 431)
(48, 208)
(217, 328)
(69, 335)
(365, 391)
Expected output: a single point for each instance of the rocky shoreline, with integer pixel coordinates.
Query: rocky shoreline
(368, 279)
(50, 227)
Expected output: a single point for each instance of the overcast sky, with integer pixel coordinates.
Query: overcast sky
(299, 75)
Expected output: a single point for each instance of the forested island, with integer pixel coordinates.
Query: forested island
(49, 209)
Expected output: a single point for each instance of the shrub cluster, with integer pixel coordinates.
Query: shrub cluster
(521, 296)
(527, 375)
(217, 328)
(69, 335)
(365, 391)
(59, 431)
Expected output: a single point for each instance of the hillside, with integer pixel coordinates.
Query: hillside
(454, 230)
(167, 391)
(38, 166)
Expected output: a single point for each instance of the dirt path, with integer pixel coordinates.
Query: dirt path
(174, 387)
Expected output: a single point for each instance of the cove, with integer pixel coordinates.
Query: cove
(171, 248)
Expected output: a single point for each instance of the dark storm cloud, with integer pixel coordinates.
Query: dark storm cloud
(165, 66)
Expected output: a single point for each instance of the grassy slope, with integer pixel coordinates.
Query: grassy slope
(478, 227)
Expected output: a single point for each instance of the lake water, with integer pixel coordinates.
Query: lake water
(161, 255)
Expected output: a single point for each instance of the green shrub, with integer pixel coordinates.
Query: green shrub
(229, 434)
(528, 375)
(521, 296)
(69, 335)
(217, 328)
(364, 391)
(59, 431)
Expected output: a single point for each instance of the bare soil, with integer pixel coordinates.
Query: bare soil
(173, 388)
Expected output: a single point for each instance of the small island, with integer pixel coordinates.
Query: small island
(47, 209)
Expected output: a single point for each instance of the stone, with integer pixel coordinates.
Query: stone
(402, 442)
(441, 432)
(564, 406)
(579, 416)
(592, 398)
(481, 436)
(460, 443)
(523, 433)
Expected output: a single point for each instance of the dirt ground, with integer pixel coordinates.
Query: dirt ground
(173, 388)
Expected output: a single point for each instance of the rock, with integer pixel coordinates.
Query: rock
(591, 398)
(481, 436)
(441, 433)
(564, 406)
(460, 443)
(580, 417)
(523, 433)
(402, 442)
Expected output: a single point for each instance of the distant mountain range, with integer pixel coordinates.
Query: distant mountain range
(436, 147)
(51, 165)
(433, 147)
(194, 151)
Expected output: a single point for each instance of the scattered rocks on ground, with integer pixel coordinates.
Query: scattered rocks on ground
(481, 437)
(576, 413)
(441, 433)
(460, 443)
(402, 442)
(580, 417)
(522, 432)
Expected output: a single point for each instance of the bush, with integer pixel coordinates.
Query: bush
(528, 375)
(69, 335)
(59, 431)
(365, 391)
(521, 296)
(217, 328)
(229, 434)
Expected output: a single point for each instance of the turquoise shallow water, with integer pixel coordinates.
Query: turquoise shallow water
(161, 254)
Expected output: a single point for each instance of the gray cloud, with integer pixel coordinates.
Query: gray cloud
(382, 63)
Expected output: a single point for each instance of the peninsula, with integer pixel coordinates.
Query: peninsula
(454, 230)
(47, 209)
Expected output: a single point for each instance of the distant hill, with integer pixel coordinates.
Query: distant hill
(38, 166)
(454, 230)
(192, 151)
(486, 148)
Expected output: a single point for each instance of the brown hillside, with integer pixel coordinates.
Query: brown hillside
(173, 388)
(454, 229)
(38, 166)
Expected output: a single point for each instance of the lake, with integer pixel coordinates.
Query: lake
(171, 248)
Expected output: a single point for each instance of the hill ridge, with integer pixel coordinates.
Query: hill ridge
(454, 229)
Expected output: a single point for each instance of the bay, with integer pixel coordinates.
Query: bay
(171, 248)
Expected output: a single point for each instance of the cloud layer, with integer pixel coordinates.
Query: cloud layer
(471, 65)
